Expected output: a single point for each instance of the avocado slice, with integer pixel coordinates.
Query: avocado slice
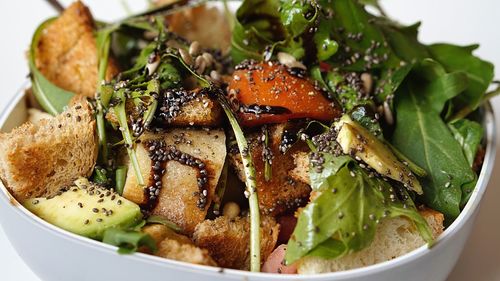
(355, 140)
(86, 209)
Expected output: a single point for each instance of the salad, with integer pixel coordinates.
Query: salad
(292, 137)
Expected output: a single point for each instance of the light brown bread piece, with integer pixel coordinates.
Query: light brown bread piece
(192, 24)
(67, 54)
(176, 246)
(176, 200)
(36, 160)
(173, 249)
(301, 170)
(281, 193)
(201, 111)
(394, 237)
(227, 240)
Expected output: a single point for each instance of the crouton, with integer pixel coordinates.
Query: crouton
(160, 232)
(227, 240)
(301, 170)
(176, 246)
(66, 53)
(36, 160)
(179, 194)
(191, 23)
(173, 249)
(281, 193)
(200, 111)
(394, 237)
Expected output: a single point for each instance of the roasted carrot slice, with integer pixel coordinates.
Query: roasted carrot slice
(270, 93)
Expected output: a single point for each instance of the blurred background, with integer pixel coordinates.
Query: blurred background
(456, 21)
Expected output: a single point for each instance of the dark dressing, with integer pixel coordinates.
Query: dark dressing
(160, 154)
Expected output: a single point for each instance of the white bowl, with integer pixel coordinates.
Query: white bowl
(55, 254)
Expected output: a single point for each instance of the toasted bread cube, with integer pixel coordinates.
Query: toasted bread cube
(281, 193)
(200, 111)
(177, 200)
(192, 24)
(67, 53)
(36, 160)
(227, 240)
(176, 246)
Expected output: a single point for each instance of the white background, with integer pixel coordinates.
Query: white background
(457, 21)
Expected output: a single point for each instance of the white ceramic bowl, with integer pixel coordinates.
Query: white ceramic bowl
(55, 254)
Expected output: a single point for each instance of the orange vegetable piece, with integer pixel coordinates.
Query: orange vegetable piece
(271, 85)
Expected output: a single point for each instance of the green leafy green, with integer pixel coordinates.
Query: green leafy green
(128, 241)
(325, 45)
(403, 41)
(479, 72)
(422, 135)
(297, 16)
(469, 135)
(257, 26)
(390, 79)
(344, 217)
(364, 115)
(363, 45)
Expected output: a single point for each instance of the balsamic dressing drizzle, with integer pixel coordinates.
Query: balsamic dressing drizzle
(160, 154)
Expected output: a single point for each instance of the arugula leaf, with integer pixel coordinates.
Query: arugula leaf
(128, 241)
(479, 72)
(364, 115)
(363, 43)
(390, 79)
(52, 98)
(257, 26)
(403, 41)
(325, 45)
(297, 16)
(469, 135)
(344, 217)
(422, 135)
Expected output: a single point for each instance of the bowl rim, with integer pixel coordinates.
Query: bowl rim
(489, 123)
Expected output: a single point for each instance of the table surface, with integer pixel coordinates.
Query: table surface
(457, 21)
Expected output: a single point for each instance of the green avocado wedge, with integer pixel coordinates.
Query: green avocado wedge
(88, 210)
(356, 140)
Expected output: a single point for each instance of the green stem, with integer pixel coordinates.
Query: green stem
(101, 132)
(268, 172)
(103, 49)
(462, 113)
(251, 188)
(127, 137)
(221, 187)
(120, 177)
